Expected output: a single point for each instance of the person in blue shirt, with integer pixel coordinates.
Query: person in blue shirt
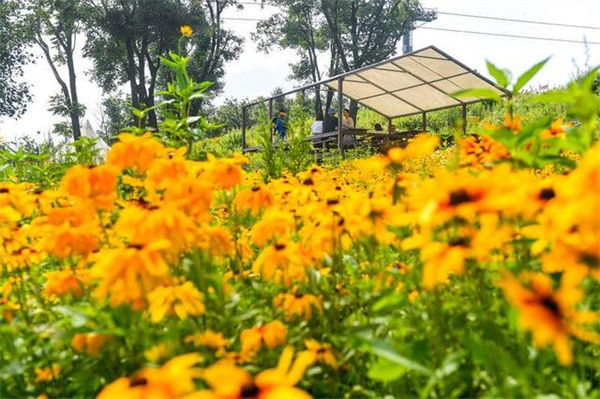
(281, 124)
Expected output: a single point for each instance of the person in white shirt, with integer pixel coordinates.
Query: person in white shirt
(347, 121)
(317, 126)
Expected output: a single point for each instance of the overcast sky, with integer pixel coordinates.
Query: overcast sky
(255, 74)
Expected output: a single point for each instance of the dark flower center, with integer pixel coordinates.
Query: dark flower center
(250, 391)
(308, 182)
(550, 303)
(279, 247)
(138, 381)
(459, 196)
(547, 194)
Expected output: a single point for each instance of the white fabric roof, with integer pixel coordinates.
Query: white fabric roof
(417, 82)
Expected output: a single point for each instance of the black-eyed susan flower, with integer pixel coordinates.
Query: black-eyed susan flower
(550, 314)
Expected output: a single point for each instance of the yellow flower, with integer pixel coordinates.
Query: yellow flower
(441, 261)
(322, 352)
(157, 352)
(173, 380)
(90, 343)
(298, 305)
(271, 335)
(125, 274)
(46, 373)
(183, 300)
(279, 382)
(549, 314)
(208, 338)
(186, 30)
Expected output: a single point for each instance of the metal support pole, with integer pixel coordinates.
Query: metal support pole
(270, 119)
(389, 129)
(464, 118)
(243, 128)
(424, 121)
(339, 113)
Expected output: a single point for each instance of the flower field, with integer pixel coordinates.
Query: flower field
(424, 272)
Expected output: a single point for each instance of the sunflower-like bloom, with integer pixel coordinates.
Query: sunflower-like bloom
(182, 300)
(126, 275)
(208, 338)
(174, 379)
(63, 282)
(274, 224)
(549, 314)
(420, 146)
(322, 352)
(228, 381)
(271, 335)
(279, 382)
(97, 184)
(91, 343)
(441, 260)
(140, 226)
(281, 263)
(138, 152)
(298, 305)
(186, 30)
(224, 173)
(481, 151)
(253, 199)
(47, 373)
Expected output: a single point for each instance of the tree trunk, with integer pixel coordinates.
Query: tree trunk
(74, 109)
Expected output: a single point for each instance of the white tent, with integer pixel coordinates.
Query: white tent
(413, 83)
(101, 147)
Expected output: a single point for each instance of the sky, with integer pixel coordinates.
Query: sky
(257, 74)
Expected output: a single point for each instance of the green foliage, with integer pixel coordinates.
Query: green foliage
(14, 54)
(528, 146)
(115, 116)
(44, 164)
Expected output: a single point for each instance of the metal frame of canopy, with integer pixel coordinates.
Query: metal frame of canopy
(421, 74)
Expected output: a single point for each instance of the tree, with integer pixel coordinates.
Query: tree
(353, 33)
(59, 21)
(127, 37)
(14, 94)
(114, 117)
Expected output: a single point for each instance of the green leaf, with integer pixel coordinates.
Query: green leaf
(484, 93)
(387, 351)
(500, 75)
(385, 370)
(387, 302)
(528, 75)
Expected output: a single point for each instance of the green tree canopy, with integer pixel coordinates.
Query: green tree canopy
(14, 54)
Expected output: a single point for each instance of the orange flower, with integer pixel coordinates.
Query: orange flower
(441, 260)
(271, 335)
(63, 282)
(298, 305)
(322, 352)
(97, 183)
(173, 380)
(512, 124)
(549, 314)
(253, 199)
(557, 129)
(208, 338)
(136, 152)
(182, 300)
(90, 343)
(46, 373)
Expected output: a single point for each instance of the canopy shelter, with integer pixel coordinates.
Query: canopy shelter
(413, 83)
